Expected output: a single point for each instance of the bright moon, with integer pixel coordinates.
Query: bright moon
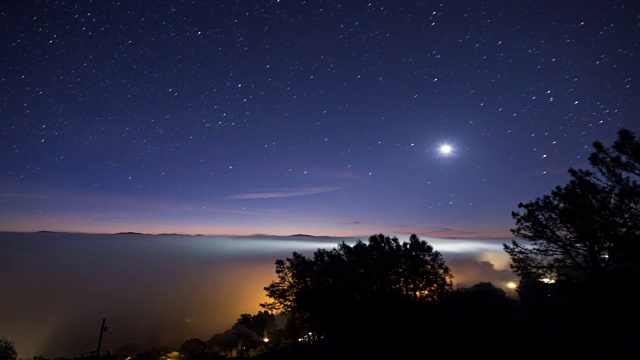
(446, 149)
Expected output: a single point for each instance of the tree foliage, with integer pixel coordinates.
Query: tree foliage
(193, 348)
(354, 284)
(569, 232)
(618, 169)
(583, 242)
(588, 230)
(224, 343)
(7, 349)
(258, 326)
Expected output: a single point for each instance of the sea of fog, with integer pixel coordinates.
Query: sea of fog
(155, 290)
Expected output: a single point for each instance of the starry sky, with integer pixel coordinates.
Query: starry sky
(316, 117)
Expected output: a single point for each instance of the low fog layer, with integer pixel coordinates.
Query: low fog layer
(163, 289)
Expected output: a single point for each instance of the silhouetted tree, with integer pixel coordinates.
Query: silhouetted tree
(224, 343)
(359, 288)
(618, 169)
(479, 315)
(586, 230)
(260, 325)
(583, 245)
(570, 233)
(193, 349)
(7, 349)
(481, 303)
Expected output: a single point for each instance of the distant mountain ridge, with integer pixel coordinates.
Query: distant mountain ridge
(299, 235)
(313, 236)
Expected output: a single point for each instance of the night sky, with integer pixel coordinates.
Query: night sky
(314, 117)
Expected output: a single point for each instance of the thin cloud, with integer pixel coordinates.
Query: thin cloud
(283, 193)
(7, 196)
(354, 222)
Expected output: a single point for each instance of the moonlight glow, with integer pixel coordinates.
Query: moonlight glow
(445, 149)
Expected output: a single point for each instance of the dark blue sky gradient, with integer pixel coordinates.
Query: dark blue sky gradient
(318, 117)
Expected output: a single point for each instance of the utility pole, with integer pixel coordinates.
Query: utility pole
(103, 329)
